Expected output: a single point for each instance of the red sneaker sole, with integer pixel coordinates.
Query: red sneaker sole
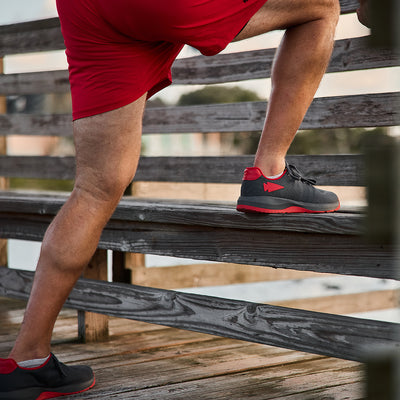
(52, 395)
(288, 210)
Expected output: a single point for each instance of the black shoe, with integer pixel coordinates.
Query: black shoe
(52, 379)
(291, 193)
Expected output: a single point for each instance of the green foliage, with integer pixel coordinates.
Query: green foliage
(330, 141)
(41, 184)
(318, 141)
(217, 94)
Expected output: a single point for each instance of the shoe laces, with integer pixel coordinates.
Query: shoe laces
(296, 174)
(60, 367)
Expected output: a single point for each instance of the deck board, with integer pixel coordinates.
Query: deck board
(145, 361)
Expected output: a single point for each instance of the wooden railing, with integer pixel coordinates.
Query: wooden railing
(329, 243)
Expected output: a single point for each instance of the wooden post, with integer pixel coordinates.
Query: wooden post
(383, 365)
(383, 180)
(4, 184)
(93, 327)
(120, 272)
(381, 163)
(383, 375)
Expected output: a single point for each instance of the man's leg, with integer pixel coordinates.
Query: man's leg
(299, 65)
(107, 152)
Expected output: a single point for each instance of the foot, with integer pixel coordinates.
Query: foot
(291, 193)
(52, 379)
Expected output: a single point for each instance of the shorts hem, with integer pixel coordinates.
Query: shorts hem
(121, 103)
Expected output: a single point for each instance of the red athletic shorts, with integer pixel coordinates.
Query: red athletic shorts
(117, 50)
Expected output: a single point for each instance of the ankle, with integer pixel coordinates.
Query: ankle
(31, 354)
(271, 168)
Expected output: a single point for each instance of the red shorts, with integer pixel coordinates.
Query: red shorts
(118, 50)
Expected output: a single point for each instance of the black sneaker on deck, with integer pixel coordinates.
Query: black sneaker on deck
(290, 193)
(52, 379)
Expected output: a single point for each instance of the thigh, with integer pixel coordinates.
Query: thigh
(282, 14)
(108, 148)
(107, 68)
(208, 25)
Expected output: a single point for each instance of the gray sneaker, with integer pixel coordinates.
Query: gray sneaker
(52, 379)
(291, 193)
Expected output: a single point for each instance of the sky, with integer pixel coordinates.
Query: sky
(332, 84)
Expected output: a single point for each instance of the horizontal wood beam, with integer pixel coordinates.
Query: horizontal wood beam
(340, 170)
(29, 210)
(28, 37)
(326, 334)
(328, 112)
(215, 232)
(348, 55)
(368, 110)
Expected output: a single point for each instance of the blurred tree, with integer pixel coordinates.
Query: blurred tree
(217, 94)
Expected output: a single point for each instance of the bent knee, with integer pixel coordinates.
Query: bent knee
(108, 188)
(331, 10)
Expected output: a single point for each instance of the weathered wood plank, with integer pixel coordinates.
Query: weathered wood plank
(27, 37)
(346, 170)
(329, 112)
(136, 350)
(41, 167)
(340, 254)
(347, 303)
(93, 327)
(326, 334)
(348, 55)
(343, 170)
(313, 382)
(213, 274)
(185, 235)
(39, 125)
(39, 208)
(34, 83)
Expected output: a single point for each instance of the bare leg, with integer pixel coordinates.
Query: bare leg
(299, 65)
(107, 152)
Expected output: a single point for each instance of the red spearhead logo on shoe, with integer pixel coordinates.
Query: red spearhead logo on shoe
(272, 187)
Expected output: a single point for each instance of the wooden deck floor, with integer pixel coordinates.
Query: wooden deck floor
(143, 361)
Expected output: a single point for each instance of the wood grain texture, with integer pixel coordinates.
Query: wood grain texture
(34, 83)
(41, 207)
(329, 112)
(340, 170)
(28, 37)
(93, 327)
(348, 55)
(218, 233)
(192, 365)
(319, 333)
